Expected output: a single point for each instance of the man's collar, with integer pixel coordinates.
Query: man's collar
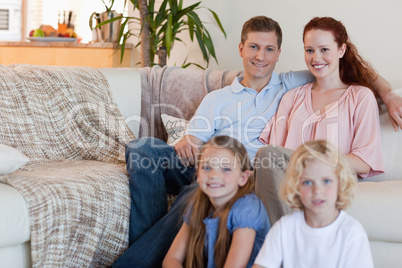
(274, 81)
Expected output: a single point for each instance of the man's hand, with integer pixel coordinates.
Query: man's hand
(187, 149)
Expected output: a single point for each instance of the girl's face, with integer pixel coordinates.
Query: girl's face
(219, 175)
(322, 54)
(318, 193)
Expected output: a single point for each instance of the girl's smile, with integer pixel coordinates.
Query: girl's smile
(219, 175)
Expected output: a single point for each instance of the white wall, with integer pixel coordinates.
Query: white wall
(374, 26)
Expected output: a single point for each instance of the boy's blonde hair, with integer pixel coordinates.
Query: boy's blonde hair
(327, 153)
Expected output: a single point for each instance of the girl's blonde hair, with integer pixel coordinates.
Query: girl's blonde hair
(201, 208)
(322, 151)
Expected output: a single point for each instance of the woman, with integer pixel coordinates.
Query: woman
(338, 107)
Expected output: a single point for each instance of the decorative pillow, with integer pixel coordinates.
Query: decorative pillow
(11, 159)
(175, 128)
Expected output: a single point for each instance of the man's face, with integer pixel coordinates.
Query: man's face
(260, 54)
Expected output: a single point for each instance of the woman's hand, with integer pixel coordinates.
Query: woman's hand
(391, 100)
(394, 105)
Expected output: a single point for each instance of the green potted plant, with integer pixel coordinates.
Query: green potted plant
(158, 30)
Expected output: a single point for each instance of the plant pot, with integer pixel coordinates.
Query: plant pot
(110, 31)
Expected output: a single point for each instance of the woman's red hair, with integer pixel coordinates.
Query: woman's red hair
(353, 69)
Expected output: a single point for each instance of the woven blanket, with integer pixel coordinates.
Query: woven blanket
(79, 212)
(66, 121)
(58, 113)
(177, 92)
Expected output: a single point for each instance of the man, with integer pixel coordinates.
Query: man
(240, 111)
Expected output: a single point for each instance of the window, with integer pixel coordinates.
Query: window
(4, 19)
(51, 12)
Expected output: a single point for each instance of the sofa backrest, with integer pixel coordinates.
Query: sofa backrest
(391, 147)
(177, 92)
(125, 83)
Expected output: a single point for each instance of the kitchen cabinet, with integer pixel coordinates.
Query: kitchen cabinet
(96, 55)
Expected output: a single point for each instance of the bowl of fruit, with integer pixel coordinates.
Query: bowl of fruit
(46, 33)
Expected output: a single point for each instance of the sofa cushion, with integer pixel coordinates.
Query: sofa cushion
(377, 205)
(11, 159)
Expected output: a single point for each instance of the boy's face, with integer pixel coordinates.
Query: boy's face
(260, 54)
(319, 192)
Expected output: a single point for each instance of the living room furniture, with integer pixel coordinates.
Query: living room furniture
(142, 96)
(97, 55)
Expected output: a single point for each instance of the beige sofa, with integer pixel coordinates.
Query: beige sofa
(143, 95)
(378, 201)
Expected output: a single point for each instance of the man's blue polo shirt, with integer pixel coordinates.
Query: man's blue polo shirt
(242, 113)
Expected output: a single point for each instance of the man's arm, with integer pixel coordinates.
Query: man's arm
(187, 149)
(391, 100)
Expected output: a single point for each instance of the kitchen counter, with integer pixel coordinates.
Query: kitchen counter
(60, 44)
(65, 54)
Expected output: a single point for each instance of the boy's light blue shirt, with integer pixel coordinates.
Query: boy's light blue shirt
(242, 113)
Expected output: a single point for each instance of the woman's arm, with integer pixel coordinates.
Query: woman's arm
(391, 99)
(177, 252)
(240, 248)
(357, 164)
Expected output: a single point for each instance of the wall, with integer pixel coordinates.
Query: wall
(374, 26)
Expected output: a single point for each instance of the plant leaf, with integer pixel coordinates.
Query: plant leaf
(190, 23)
(201, 44)
(218, 21)
(168, 35)
(173, 7)
(108, 21)
(196, 19)
(209, 44)
(187, 10)
(162, 14)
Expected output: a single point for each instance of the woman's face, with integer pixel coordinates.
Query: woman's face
(322, 54)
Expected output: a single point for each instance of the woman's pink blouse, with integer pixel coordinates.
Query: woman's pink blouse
(351, 123)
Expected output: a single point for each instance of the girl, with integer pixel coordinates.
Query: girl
(338, 107)
(225, 223)
(318, 184)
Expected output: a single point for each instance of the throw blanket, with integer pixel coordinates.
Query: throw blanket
(177, 92)
(61, 117)
(58, 113)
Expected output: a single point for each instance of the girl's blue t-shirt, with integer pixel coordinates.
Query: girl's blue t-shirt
(247, 212)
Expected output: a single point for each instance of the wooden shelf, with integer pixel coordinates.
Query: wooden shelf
(96, 55)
